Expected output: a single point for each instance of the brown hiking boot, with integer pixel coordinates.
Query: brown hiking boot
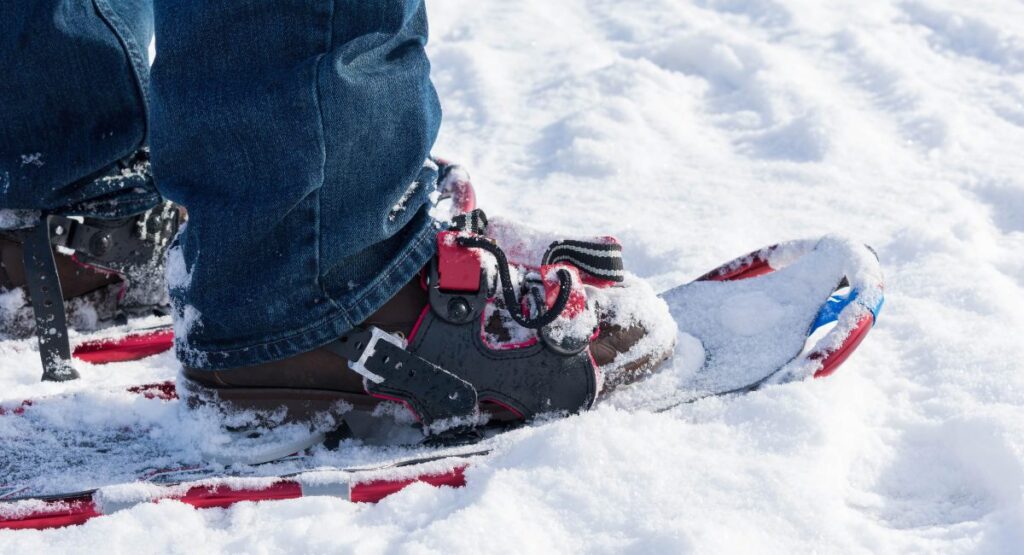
(312, 382)
(448, 346)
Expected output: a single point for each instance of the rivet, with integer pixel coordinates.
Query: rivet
(458, 309)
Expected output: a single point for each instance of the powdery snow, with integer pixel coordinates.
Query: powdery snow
(696, 131)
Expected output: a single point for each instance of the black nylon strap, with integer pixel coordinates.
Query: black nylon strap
(431, 391)
(47, 304)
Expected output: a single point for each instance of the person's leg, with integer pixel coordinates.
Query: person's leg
(296, 133)
(72, 103)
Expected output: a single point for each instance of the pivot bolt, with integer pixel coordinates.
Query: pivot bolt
(458, 309)
(99, 244)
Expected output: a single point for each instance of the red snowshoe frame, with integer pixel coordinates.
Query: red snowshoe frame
(134, 346)
(355, 485)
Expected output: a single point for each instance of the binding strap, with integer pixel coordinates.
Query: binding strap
(47, 304)
(392, 372)
(601, 260)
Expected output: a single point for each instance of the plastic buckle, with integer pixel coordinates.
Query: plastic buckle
(376, 334)
(456, 307)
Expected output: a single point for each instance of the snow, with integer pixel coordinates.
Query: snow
(750, 313)
(696, 131)
(188, 317)
(15, 219)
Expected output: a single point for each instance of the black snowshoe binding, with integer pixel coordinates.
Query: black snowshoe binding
(446, 369)
(512, 324)
(105, 270)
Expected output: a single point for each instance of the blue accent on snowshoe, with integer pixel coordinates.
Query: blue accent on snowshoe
(830, 310)
(834, 306)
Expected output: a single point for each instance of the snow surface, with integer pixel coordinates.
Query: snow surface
(696, 131)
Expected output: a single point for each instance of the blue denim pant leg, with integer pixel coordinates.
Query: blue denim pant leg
(296, 132)
(73, 76)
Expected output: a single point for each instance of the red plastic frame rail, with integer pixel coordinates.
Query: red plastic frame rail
(831, 360)
(121, 349)
(80, 508)
(757, 265)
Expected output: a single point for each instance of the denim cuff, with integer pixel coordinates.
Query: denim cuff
(123, 202)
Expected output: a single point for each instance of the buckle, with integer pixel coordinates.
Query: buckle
(376, 334)
(456, 307)
(62, 228)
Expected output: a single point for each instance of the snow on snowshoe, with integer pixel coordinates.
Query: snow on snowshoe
(783, 313)
(778, 296)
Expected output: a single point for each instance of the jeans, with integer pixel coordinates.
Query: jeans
(295, 132)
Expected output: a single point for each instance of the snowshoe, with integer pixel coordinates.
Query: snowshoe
(448, 354)
(516, 323)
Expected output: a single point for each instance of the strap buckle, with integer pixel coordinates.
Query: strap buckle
(376, 335)
(434, 394)
(62, 228)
